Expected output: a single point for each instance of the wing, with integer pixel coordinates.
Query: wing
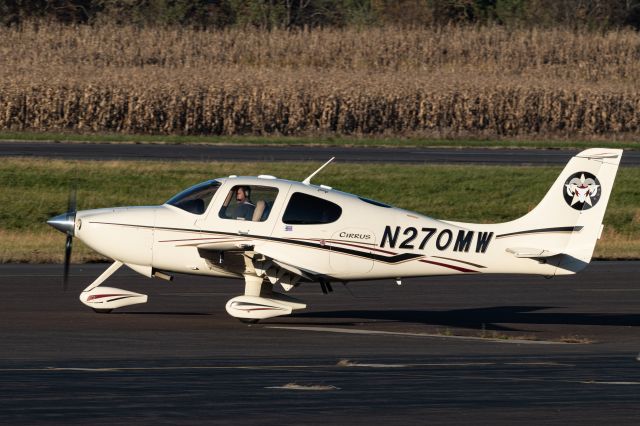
(239, 255)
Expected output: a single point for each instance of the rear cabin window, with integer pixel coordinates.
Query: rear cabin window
(249, 202)
(304, 209)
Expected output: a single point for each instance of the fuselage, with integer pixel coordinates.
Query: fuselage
(332, 233)
(270, 232)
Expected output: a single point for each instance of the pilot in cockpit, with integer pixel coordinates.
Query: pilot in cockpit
(245, 208)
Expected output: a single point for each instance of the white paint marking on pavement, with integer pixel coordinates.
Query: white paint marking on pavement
(295, 386)
(92, 370)
(596, 382)
(541, 364)
(433, 336)
(341, 363)
(58, 275)
(172, 368)
(349, 363)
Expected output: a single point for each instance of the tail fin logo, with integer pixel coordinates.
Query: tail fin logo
(582, 190)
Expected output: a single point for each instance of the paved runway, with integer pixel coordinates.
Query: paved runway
(370, 353)
(201, 152)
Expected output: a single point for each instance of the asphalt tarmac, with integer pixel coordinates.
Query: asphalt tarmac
(202, 152)
(451, 350)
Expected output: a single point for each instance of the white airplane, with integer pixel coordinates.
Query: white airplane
(271, 231)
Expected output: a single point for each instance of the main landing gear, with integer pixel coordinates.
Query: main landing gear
(260, 301)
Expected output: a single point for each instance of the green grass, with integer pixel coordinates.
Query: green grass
(35, 189)
(315, 140)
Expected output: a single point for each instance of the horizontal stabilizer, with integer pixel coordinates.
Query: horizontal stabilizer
(595, 155)
(532, 253)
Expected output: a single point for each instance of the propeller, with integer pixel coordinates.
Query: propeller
(66, 223)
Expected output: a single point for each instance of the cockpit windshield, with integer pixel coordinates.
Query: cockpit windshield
(197, 198)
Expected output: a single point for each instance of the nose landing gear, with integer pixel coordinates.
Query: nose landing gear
(105, 299)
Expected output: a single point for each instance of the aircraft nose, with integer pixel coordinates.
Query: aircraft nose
(64, 223)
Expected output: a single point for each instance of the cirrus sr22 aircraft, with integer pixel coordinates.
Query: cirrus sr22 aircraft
(268, 231)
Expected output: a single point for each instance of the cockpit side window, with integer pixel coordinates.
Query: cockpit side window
(249, 202)
(304, 209)
(197, 198)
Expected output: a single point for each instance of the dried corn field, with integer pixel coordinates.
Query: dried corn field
(385, 81)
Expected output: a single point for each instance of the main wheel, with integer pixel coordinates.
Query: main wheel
(249, 320)
(101, 311)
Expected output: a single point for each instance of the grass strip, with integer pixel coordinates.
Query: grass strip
(35, 189)
(346, 141)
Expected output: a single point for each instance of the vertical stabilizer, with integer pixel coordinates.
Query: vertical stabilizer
(576, 204)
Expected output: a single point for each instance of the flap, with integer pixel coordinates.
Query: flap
(295, 270)
(227, 245)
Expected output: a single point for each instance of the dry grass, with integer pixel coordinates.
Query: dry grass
(617, 245)
(432, 82)
(530, 53)
(576, 340)
(42, 246)
(36, 189)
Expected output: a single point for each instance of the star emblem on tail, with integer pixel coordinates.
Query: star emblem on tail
(582, 190)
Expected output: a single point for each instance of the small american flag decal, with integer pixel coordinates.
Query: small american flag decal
(288, 228)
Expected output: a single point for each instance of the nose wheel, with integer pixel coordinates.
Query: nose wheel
(105, 299)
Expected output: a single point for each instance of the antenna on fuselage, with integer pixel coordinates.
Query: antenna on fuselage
(307, 181)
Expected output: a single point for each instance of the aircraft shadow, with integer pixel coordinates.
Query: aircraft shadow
(488, 318)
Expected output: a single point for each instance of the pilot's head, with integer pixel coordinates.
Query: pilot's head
(243, 194)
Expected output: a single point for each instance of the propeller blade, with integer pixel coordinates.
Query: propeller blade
(67, 260)
(71, 214)
(71, 205)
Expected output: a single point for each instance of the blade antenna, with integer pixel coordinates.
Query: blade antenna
(307, 181)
